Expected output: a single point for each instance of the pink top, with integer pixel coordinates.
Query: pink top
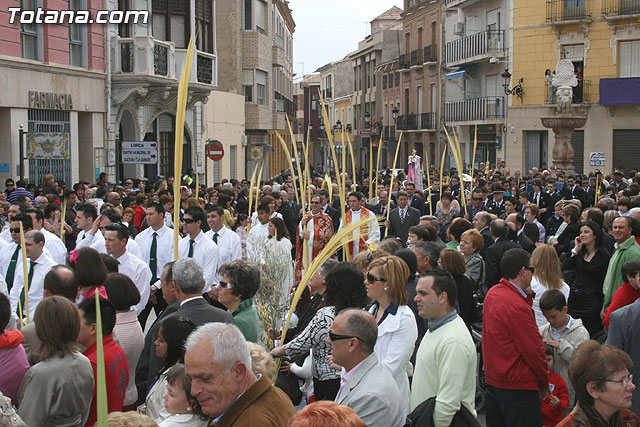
(13, 360)
(83, 295)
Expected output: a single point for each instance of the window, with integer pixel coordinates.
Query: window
(232, 162)
(171, 21)
(630, 58)
(261, 17)
(204, 24)
(397, 78)
(390, 81)
(255, 15)
(247, 85)
(373, 71)
(384, 81)
(29, 34)
(261, 87)
(349, 116)
(76, 38)
(248, 15)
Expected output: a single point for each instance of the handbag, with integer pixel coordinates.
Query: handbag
(422, 416)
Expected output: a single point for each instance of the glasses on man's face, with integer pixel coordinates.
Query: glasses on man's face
(336, 337)
(11, 184)
(626, 382)
(477, 199)
(371, 278)
(315, 203)
(189, 220)
(531, 269)
(225, 285)
(14, 230)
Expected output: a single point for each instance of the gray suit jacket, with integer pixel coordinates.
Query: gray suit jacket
(373, 394)
(399, 229)
(624, 333)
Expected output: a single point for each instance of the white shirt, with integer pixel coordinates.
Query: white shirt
(6, 235)
(229, 247)
(84, 239)
(132, 246)
(6, 252)
(258, 233)
(56, 247)
(539, 289)
(164, 246)
(206, 253)
(139, 272)
(44, 263)
(255, 221)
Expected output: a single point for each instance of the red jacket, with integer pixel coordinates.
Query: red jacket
(625, 295)
(138, 217)
(116, 372)
(550, 415)
(511, 343)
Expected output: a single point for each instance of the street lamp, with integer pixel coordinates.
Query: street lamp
(516, 90)
(367, 119)
(338, 125)
(394, 113)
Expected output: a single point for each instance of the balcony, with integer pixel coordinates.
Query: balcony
(467, 110)
(203, 68)
(416, 58)
(427, 121)
(620, 9)
(278, 57)
(568, 11)
(430, 55)
(403, 62)
(407, 122)
(144, 56)
(278, 105)
(460, 3)
(475, 48)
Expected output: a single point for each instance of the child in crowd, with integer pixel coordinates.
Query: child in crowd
(557, 397)
(13, 358)
(178, 401)
(241, 229)
(563, 333)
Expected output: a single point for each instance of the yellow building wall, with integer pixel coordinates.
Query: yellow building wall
(534, 49)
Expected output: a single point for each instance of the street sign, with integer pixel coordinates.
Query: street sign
(215, 150)
(140, 156)
(143, 152)
(597, 158)
(135, 145)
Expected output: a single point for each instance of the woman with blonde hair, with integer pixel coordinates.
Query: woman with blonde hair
(386, 283)
(547, 274)
(471, 242)
(453, 261)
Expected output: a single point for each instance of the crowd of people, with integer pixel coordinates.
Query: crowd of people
(545, 267)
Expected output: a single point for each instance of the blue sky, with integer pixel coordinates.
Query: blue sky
(327, 30)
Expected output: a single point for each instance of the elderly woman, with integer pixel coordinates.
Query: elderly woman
(240, 282)
(386, 283)
(58, 390)
(471, 242)
(344, 288)
(531, 212)
(600, 377)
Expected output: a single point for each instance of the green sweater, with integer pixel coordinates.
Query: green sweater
(446, 368)
(627, 251)
(246, 319)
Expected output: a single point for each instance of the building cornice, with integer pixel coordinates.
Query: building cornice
(37, 66)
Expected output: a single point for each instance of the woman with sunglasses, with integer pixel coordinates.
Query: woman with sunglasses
(344, 289)
(386, 283)
(240, 282)
(600, 377)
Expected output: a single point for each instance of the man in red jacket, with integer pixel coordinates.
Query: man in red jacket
(514, 361)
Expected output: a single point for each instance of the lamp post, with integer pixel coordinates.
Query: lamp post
(517, 90)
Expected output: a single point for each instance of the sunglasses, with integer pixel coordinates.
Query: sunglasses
(531, 269)
(225, 285)
(14, 230)
(477, 200)
(189, 220)
(336, 337)
(371, 278)
(315, 203)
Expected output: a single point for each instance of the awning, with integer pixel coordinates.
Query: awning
(455, 74)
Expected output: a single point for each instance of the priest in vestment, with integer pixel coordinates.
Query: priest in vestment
(315, 230)
(365, 235)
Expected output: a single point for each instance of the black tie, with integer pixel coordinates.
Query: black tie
(215, 238)
(11, 271)
(153, 260)
(190, 254)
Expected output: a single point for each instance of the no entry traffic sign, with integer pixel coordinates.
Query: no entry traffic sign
(215, 151)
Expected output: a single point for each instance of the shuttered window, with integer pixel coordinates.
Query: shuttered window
(625, 149)
(232, 162)
(577, 140)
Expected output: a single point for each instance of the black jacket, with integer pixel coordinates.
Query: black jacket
(419, 203)
(492, 258)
